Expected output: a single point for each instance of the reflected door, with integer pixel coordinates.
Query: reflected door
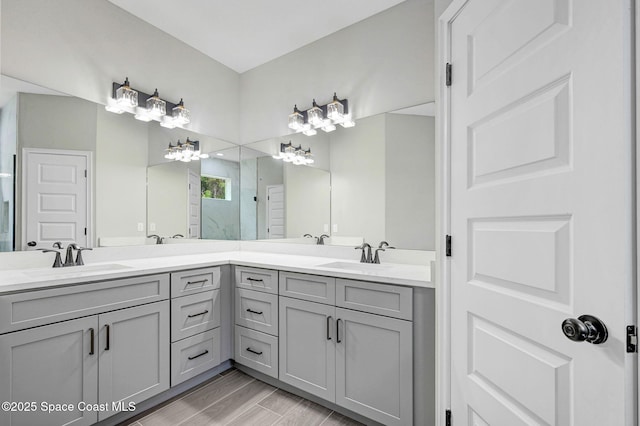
(275, 211)
(541, 211)
(195, 198)
(55, 198)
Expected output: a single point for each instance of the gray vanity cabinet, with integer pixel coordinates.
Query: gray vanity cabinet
(54, 364)
(307, 346)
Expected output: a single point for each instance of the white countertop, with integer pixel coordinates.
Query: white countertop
(18, 280)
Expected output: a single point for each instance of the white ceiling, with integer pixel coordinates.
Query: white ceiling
(243, 34)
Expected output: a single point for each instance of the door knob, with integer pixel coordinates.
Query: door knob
(585, 328)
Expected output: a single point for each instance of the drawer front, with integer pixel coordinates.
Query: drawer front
(194, 281)
(382, 299)
(257, 350)
(314, 288)
(257, 279)
(194, 355)
(194, 314)
(257, 310)
(29, 309)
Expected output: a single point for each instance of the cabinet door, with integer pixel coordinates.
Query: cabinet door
(307, 350)
(134, 355)
(374, 366)
(53, 364)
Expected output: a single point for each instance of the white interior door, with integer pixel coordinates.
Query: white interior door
(275, 211)
(56, 198)
(541, 210)
(195, 198)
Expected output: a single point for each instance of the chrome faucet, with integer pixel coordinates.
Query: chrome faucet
(365, 258)
(381, 247)
(320, 239)
(56, 263)
(178, 236)
(68, 261)
(79, 260)
(157, 237)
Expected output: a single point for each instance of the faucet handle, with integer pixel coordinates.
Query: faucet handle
(57, 245)
(363, 257)
(56, 263)
(79, 260)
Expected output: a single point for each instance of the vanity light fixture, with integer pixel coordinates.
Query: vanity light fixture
(147, 107)
(296, 155)
(185, 152)
(323, 117)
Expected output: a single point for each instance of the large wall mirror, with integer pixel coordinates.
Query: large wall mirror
(372, 182)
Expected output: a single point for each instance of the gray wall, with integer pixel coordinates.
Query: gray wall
(220, 219)
(380, 64)
(410, 181)
(80, 47)
(307, 192)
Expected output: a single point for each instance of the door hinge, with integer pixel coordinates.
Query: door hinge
(632, 339)
(448, 248)
(447, 417)
(448, 74)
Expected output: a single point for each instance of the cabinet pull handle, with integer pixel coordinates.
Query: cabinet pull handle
(254, 352)
(254, 312)
(329, 327)
(93, 341)
(197, 282)
(199, 355)
(197, 315)
(106, 348)
(255, 279)
(338, 331)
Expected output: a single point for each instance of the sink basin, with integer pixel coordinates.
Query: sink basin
(360, 267)
(73, 271)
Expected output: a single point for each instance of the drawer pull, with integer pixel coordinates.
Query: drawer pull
(338, 331)
(328, 327)
(254, 352)
(93, 341)
(199, 355)
(254, 312)
(197, 315)
(255, 279)
(106, 348)
(197, 282)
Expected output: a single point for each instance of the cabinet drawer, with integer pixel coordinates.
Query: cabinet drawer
(24, 310)
(194, 281)
(257, 310)
(257, 279)
(382, 299)
(194, 355)
(308, 287)
(257, 350)
(194, 314)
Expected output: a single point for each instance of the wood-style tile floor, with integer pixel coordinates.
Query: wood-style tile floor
(234, 398)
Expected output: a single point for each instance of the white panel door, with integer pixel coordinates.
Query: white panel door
(195, 198)
(275, 211)
(53, 364)
(541, 211)
(374, 366)
(56, 198)
(307, 346)
(134, 354)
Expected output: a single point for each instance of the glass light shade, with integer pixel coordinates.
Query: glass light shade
(142, 115)
(156, 106)
(348, 122)
(114, 109)
(310, 132)
(180, 114)
(315, 115)
(335, 110)
(168, 122)
(126, 96)
(329, 127)
(296, 120)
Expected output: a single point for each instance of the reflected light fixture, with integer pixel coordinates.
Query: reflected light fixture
(323, 117)
(296, 155)
(185, 152)
(147, 107)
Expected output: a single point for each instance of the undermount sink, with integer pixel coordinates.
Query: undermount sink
(361, 267)
(74, 270)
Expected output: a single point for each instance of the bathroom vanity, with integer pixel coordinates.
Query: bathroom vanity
(103, 341)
